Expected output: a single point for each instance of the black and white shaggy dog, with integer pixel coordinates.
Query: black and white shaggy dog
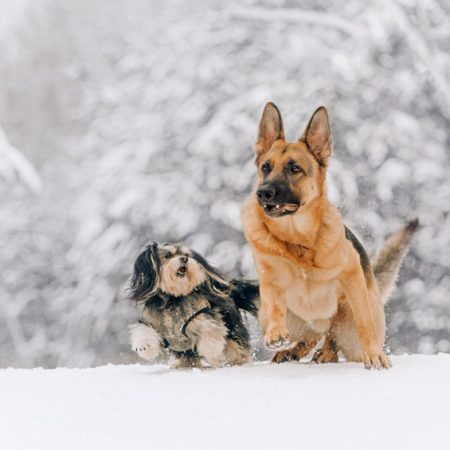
(191, 311)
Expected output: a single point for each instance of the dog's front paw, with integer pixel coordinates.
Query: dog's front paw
(147, 352)
(145, 341)
(376, 360)
(276, 338)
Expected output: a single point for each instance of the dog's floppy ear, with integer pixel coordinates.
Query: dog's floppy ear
(214, 276)
(317, 136)
(145, 279)
(270, 129)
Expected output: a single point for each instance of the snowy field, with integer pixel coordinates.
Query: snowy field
(287, 406)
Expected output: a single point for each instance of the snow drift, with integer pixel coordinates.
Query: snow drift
(288, 406)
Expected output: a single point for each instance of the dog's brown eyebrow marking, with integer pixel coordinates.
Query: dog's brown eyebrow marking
(168, 247)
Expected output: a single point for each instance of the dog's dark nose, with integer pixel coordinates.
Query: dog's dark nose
(266, 193)
(183, 259)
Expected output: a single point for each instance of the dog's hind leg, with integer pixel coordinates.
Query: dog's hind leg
(299, 351)
(304, 337)
(328, 353)
(210, 334)
(236, 354)
(186, 360)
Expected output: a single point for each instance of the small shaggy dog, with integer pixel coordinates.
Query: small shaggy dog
(191, 311)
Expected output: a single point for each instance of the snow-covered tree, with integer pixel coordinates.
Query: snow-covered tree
(140, 118)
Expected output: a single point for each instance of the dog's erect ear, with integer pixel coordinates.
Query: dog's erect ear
(317, 136)
(145, 279)
(270, 129)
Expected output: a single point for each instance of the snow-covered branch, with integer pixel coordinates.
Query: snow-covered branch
(15, 166)
(298, 16)
(420, 47)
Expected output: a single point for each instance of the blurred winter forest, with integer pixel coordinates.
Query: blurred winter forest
(124, 121)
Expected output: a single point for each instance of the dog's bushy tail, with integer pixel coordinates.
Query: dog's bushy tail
(387, 263)
(245, 295)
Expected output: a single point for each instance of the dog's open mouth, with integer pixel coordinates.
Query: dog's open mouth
(182, 271)
(278, 210)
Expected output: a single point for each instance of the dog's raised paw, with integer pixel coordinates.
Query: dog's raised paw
(276, 338)
(145, 341)
(147, 352)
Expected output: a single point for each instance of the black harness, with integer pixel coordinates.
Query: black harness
(171, 317)
(183, 330)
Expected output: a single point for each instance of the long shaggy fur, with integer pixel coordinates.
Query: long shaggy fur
(191, 310)
(145, 279)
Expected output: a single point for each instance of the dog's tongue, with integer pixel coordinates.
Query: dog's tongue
(286, 207)
(290, 207)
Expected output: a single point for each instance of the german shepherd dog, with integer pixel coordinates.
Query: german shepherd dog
(316, 279)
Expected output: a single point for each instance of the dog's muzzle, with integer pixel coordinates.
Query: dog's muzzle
(277, 200)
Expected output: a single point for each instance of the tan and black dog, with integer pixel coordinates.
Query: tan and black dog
(316, 279)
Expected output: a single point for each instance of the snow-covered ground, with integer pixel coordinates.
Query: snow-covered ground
(288, 406)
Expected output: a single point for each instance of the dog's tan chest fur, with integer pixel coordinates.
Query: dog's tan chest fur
(311, 293)
(312, 301)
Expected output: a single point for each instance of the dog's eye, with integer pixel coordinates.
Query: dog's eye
(169, 255)
(295, 169)
(265, 168)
